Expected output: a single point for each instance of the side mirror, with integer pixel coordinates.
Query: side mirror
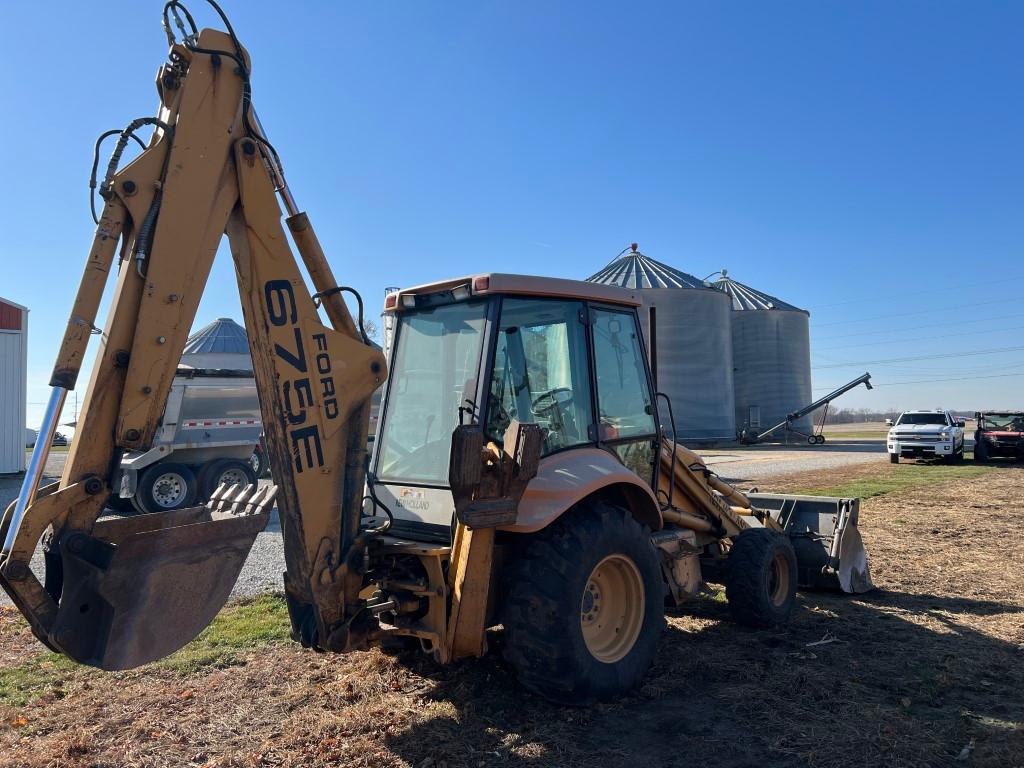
(888, 422)
(961, 423)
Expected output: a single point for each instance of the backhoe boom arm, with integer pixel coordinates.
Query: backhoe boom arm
(118, 593)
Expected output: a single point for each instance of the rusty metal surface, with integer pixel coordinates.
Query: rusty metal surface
(140, 588)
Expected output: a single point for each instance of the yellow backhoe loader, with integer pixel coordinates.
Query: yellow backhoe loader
(520, 476)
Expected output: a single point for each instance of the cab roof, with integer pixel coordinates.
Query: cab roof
(494, 283)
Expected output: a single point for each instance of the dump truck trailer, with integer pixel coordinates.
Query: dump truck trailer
(208, 435)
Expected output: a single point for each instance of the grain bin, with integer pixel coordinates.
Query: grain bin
(13, 385)
(694, 342)
(771, 351)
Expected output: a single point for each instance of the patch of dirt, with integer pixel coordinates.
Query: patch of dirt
(926, 669)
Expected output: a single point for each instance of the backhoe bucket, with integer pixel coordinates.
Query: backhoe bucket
(829, 551)
(140, 588)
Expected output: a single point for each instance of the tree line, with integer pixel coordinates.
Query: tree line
(861, 415)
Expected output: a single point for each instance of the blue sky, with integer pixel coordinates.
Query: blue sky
(833, 154)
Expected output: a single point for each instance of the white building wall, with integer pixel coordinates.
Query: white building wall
(13, 388)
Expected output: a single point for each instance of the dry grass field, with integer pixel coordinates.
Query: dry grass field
(926, 671)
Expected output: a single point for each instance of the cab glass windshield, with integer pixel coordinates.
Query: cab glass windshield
(1005, 422)
(939, 419)
(433, 376)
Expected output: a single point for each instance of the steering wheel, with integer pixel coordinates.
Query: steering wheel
(551, 394)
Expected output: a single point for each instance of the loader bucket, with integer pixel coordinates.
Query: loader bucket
(829, 551)
(140, 588)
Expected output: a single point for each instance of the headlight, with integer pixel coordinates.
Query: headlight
(943, 435)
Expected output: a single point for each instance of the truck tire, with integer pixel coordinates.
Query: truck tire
(894, 458)
(258, 462)
(230, 471)
(120, 505)
(761, 578)
(584, 606)
(164, 487)
(980, 451)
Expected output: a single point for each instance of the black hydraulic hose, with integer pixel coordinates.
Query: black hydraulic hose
(122, 143)
(238, 57)
(319, 297)
(174, 6)
(144, 239)
(95, 166)
(371, 481)
(126, 134)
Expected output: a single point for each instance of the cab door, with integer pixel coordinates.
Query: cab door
(624, 393)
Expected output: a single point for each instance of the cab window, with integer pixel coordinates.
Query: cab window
(540, 372)
(623, 395)
(432, 379)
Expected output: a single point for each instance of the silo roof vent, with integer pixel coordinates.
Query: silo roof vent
(744, 297)
(631, 269)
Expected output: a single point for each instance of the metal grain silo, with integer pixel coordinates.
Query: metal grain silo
(771, 351)
(694, 343)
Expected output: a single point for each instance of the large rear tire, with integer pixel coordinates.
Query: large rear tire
(165, 487)
(584, 606)
(761, 581)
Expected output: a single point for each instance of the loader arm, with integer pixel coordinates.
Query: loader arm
(122, 592)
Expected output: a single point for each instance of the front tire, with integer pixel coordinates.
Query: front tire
(761, 581)
(585, 606)
(894, 458)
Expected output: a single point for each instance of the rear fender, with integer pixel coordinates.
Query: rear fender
(567, 478)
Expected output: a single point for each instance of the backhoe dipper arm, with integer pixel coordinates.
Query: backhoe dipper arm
(121, 592)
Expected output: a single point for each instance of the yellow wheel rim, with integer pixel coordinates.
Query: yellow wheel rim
(778, 579)
(612, 608)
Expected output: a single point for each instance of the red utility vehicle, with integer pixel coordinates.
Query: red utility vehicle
(999, 434)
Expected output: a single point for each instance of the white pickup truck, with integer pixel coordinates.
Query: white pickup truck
(926, 435)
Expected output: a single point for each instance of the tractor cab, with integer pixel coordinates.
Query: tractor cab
(495, 349)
